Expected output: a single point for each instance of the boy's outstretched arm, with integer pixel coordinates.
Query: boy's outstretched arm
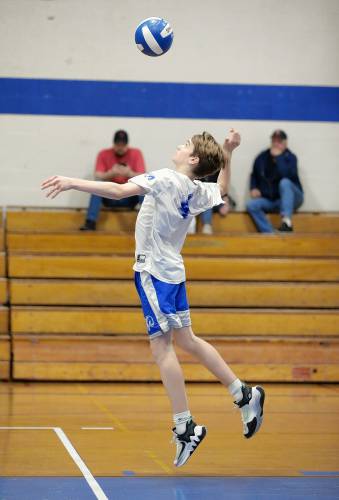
(232, 141)
(56, 184)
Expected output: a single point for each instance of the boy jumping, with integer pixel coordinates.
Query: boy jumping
(172, 199)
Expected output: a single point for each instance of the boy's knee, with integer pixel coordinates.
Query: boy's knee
(159, 348)
(187, 342)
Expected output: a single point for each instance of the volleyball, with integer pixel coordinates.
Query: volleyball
(154, 36)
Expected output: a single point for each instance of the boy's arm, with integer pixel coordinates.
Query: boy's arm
(231, 142)
(56, 184)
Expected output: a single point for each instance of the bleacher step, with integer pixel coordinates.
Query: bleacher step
(197, 268)
(200, 293)
(217, 322)
(260, 245)
(149, 372)
(124, 221)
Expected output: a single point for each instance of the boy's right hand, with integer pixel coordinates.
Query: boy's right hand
(232, 141)
(56, 185)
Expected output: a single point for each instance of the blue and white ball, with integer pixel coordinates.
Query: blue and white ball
(154, 36)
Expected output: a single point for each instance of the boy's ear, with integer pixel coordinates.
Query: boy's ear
(193, 160)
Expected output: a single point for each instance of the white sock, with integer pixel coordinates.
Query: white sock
(288, 221)
(180, 420)
(235, 389)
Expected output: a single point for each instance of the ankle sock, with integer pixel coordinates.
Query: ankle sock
(180, 420)
(235, 390)
(288, 221)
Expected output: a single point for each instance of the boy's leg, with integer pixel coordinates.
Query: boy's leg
(157, 299)
(206, 353)
(188, 435)
(249, 400)
(170, 371)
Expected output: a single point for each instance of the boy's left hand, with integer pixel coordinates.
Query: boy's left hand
(232, 141)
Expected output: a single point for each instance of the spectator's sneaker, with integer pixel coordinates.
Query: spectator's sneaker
(252, 409)
(90, 225)
(207, 229)
(188, 442)
(285, 228)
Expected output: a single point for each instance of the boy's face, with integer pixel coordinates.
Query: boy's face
(183, 154)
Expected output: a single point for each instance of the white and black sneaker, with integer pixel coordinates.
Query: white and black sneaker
(188, 442)
(252, 409)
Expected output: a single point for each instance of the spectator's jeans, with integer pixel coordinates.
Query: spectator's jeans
(206, 217)
(291, 197)
(96, 203)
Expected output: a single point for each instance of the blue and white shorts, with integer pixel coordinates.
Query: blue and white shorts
(164, 305)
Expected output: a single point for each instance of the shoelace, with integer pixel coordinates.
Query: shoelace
(243, 411)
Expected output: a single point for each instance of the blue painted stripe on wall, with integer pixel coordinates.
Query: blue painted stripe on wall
(168, 100)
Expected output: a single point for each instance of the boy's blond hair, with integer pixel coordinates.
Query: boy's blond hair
(210, 154)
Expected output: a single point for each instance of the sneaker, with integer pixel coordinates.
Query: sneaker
(207, 229)
(285, 228)
(252, 409)
(90, 225)
(188, 442)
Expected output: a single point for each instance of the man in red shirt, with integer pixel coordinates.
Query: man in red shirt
(117, 164)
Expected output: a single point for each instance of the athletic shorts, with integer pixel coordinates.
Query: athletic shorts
(164, 305)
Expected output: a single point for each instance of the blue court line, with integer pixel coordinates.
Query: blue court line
(321, 473)
(172, 488)
(168, 100)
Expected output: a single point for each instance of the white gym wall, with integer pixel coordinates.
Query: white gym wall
(265, 42)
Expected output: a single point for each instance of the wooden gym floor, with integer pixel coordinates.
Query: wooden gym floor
(78, 441)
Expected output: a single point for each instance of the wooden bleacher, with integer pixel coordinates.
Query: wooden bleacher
(5, 344)
(201, 293)
(254, 245)
(269, 303)
(303, 269)
(60, 220)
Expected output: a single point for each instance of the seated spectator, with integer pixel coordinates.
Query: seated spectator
(275, 185)
(206, 217)
(117, 164)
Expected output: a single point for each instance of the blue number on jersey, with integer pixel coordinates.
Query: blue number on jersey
(184, 208)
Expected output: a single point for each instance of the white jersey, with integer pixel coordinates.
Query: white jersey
(172, 200)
